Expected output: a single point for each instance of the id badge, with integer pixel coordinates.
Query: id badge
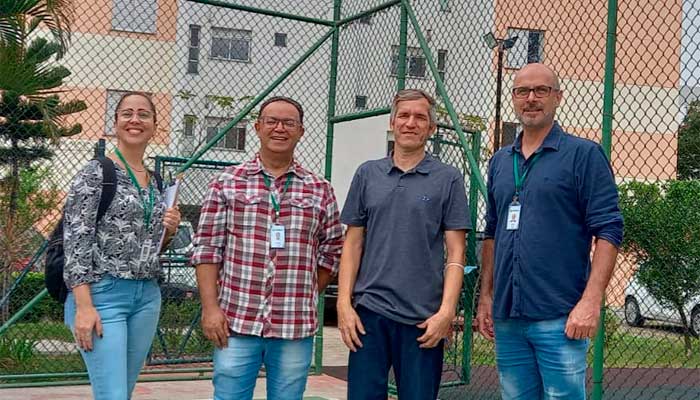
(513, 217)
(145, 252)
(276, 236)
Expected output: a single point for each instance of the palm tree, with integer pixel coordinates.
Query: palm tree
(32, 116)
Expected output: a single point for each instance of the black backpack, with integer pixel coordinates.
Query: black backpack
(53, 275)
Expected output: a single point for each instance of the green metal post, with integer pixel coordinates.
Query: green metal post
(255, 101)
(471, 279)
(257, 10)
(443, 94)
(606, 143)
(403, 41)
(367, 12)
(19, 314)
(332, 85)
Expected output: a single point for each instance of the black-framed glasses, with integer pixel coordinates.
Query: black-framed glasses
(272, 122)
(522, 92)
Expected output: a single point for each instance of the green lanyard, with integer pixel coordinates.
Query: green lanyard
(147, 211)
(275, 204)
(520, 179)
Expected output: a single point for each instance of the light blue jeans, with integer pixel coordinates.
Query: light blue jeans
(129, 311)
(537, 361)
(286, 362)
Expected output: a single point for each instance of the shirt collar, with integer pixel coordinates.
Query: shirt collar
(551, 141)
(255, 166)
(424, 166)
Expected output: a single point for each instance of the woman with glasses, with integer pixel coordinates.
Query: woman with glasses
(111, 265)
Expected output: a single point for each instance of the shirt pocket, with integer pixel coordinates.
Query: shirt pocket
(248, 213)
(304, 216)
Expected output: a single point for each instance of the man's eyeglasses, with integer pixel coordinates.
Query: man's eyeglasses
(141, 115)
(539, 91)
(272, 122)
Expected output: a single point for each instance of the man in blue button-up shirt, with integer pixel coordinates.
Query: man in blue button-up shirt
(549, 195)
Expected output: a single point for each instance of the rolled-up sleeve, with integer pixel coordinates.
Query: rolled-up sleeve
(80, 226)
(600, 198)
(331, 235)
(210, 239)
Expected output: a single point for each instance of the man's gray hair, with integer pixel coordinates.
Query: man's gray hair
(414, 94)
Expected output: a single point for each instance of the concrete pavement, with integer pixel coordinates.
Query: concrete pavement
(318, 387)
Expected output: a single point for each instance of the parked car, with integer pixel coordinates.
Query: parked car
(179, 279)
(641, 306)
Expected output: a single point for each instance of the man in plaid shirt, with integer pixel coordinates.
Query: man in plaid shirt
(268, 243)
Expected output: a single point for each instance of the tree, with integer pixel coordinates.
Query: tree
(662, 231)
(689, 143)
(32, 116)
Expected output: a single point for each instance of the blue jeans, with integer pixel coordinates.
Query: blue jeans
(537, 361)
(387, 344)
(286, 362)
(129, 311)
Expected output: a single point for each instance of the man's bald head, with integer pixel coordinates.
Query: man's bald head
(538, 68)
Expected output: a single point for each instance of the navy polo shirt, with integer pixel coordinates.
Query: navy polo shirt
(405, 215)
(568, 197)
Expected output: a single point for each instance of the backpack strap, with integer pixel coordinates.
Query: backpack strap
(109, 185)
(159, 180)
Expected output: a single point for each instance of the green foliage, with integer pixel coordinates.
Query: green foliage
(16, 350)
(47, 309)
(662, 232)
(612, 325)
(689, 144)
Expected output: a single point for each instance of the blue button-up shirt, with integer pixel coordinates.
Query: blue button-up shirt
(568, 197)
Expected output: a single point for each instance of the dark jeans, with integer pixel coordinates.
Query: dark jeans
(386, 344)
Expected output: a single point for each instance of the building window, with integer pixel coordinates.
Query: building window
(234, 139)
(189, 123)
(230, 44)
(360, 102)
(415, 62)
(193, 52)
(113, 97)
(442, 63)
(280, 40)
(528, 48)
(508, 133)
(134, 15)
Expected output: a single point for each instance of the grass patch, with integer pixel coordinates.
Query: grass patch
(40, 331)
(624, 350)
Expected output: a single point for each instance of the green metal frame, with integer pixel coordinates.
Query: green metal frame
(606, 143)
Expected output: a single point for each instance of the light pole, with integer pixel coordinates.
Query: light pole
(502, 45)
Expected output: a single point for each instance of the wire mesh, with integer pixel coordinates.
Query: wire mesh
(203, 64)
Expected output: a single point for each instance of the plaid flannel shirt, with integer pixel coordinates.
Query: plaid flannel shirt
(263, 291)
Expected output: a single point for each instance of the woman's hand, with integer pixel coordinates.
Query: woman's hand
(171, 220)
(86, 320)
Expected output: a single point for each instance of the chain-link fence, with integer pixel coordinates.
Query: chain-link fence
(631, 79)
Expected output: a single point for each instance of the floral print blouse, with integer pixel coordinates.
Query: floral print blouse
(119, 245)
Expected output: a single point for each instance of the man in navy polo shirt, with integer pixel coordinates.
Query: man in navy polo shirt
(397, 292)
(550, 195)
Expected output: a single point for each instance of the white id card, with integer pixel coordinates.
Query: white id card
(145, 252)
(276, 236)
(513, 217)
